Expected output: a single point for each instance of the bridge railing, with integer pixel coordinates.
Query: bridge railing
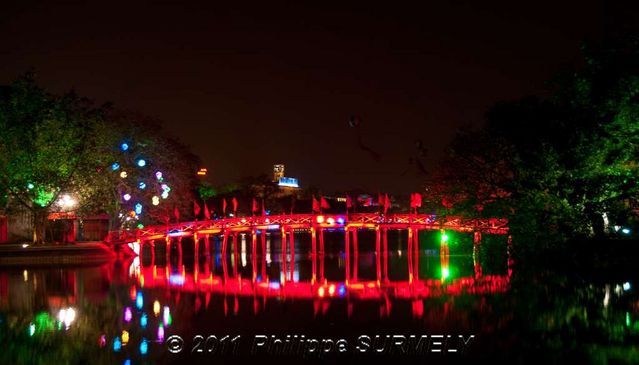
(305, 221)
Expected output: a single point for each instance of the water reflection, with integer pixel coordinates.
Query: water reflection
(125, 310)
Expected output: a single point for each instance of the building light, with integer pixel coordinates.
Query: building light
(288, 182)
(202, 171)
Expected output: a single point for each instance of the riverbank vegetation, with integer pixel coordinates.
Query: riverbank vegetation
(562, 167)
(61, 153)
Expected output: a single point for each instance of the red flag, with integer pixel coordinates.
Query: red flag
(349, 202)
(418, 200)
(316, 205)
(254, 207)
(176, 212)
(207, 214)
(196, 209)
(234, 201)
(224, 206)
(324, 203)
(380, 199)
(387, 203)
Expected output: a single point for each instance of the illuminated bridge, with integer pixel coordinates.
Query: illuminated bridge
(316, 224)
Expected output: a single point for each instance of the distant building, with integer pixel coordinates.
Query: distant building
(278, 172)
(281, 180)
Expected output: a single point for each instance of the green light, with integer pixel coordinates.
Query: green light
(30, 186)
(444, 237)
(445, 273)
(43, 198)
(140, 226)
(32, 329)
(627, 319)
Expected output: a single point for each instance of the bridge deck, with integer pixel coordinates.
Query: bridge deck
(316, 221)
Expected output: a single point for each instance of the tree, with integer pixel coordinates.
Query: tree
(53, 145)
(45, 143)
(561, 164)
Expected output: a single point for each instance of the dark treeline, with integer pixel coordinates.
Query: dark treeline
(561, 168)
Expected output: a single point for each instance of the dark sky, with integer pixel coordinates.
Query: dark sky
(247, 86)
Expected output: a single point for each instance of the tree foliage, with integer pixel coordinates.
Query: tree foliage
(558, 165)
(52, 145)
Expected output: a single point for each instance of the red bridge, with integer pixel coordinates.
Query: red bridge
(312, 222)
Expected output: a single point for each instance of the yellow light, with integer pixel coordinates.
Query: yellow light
(320, 292)
(125, 337)
(123, 174)
(156, 308)
(155, 200)
(330, 220)
(320, 219)
(331, 290)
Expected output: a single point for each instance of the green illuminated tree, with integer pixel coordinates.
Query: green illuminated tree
(45, 141)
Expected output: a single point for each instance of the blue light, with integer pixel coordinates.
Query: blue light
(144, 320)
(124, 146)
(274, 285)
(340, 220)
(127, 362)
(141, 163)
(625, 231)
(117, 344)
(139, 300)
(144, 347)
(341, 291)
(142, 185)
(289, 182)
(626, 286)
(176, 279)
(115, 166)
(138, 208)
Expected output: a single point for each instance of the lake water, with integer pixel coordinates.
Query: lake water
(399, 306)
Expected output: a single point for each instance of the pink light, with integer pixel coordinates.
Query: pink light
(160, 333)
(127, 197)
(127, 314)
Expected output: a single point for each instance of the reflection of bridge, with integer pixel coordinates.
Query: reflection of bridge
(316, 224)
(318, 288)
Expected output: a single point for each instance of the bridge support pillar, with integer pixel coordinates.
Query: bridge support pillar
(378, 254)
(263, 261)
(225, 240)
(313, 256)
(321, 254)
(292, 253)
(416, 253)
(254, 253)
(347, 239)
(235, 256)
(476, 253)
(355, 254)
(385, 252)
(410, 255)
(284, 270)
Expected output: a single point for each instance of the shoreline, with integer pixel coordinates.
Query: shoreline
(89, 253)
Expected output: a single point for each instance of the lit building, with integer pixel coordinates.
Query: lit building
(278, 172)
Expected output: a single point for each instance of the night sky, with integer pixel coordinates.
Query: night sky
(248, 86)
